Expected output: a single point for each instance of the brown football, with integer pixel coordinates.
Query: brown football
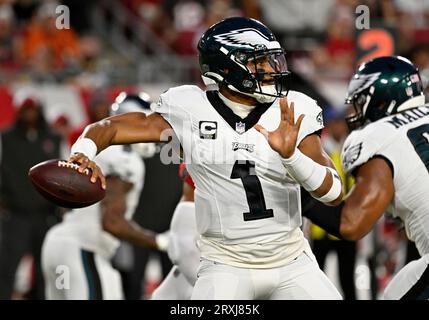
(61, 183)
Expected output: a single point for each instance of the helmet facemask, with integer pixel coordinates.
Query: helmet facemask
(266, 72)
(356, 107)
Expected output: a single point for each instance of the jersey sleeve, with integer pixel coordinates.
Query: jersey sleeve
(313, 120)
(357, 150)
(171, 106)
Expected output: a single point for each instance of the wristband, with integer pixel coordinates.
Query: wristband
(335, 190)
(85, 146)
(305, 170)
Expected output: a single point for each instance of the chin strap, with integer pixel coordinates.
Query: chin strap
(260, 97)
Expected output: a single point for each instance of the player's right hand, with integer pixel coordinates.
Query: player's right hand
(85, 163)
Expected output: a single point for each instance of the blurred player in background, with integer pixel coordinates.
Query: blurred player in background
(25, 216)
(87, 239)
(389, 156)
(247, 190)
(182, 247)
(125, 259)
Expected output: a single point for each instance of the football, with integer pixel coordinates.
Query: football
(61, 183)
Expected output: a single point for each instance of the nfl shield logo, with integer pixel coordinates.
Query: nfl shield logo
(240, 127)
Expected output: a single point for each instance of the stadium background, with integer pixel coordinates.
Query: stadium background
(150, 45)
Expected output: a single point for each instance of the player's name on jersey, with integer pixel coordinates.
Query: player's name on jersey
(408, 116)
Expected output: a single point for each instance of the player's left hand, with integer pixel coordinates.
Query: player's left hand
(283, 139)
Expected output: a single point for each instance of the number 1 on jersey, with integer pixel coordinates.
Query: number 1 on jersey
(245, 170)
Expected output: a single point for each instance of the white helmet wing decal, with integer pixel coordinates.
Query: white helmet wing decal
(247, 38)
(362, 83)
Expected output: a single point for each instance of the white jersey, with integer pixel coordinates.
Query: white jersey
(85, 224)
(403, 140)
(247, 207)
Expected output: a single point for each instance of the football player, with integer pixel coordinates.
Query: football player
(76, 253)
(389, 156)
(182, 247)
(247, 194)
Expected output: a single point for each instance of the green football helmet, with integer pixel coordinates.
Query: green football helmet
(381, 87)
(227, 49)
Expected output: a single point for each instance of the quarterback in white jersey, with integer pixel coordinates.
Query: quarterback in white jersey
(76, 253)
(245, 219)
(389, 157)
(247, 183)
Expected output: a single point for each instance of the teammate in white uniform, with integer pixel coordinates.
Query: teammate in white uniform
(76, 253)
(182, 247)
(389, 157)
(247, 188)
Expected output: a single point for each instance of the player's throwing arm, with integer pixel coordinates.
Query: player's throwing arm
(132, 127)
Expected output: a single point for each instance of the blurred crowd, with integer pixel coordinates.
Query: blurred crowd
(318, 35)
(35, 46)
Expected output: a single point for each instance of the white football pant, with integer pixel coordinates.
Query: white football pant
(411, 282)
(72, 273)
(174, 287)
(301, 279)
